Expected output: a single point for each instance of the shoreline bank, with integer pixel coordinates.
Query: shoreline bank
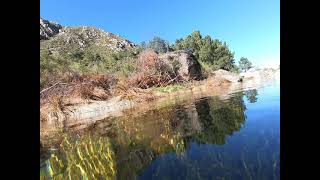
(85, 113)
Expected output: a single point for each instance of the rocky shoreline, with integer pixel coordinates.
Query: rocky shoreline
(221, 83)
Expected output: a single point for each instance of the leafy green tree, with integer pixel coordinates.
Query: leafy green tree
(208, 51)
(245, 64)
(159, 45)
(193, 41)
(178, 44)
(223, 57)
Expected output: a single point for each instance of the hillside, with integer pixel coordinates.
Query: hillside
(58, 38)
(69, 51)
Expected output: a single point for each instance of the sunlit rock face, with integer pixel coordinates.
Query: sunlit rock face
(48, 29)
(260, 77)
(184, 63)
(60, 38)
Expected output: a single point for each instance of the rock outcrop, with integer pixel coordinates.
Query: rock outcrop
(261, 74)
(64, 38)
(185, 63)
(48, 29)
(85, 36)
(227, 75)
(258, 75)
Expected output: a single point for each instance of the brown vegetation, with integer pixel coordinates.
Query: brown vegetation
(95, 87)
(76, 88)
(153, 72)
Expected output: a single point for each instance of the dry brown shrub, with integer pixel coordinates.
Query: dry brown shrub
(123, 85)
(103, 81)
(146, 80)
(85, 91)
(153, 72)
(56, 103)
(95, 87)
(148, 58)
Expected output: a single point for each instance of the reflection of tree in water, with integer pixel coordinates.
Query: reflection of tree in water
(257, 159)
(138, 140)
(219, 118)
(251, 95)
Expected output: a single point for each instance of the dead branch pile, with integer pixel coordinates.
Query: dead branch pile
(96, 87)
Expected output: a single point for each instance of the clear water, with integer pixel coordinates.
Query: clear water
(207, 138)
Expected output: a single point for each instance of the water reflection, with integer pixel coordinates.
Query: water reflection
(251, 95)
(219, 119)
(141, 146)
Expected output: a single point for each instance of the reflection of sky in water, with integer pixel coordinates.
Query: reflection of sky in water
(251, 153)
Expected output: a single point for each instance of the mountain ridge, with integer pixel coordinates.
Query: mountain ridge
(56, 37)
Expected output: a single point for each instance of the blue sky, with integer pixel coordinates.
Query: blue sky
(251, 28)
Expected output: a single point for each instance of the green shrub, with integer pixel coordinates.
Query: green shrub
(211, 52)
(54, 66)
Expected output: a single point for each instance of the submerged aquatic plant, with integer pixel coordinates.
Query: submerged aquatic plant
(86, 158)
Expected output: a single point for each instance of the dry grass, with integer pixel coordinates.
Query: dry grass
(126, 91)
(74, 89)
(94, 87)
(84, 89)
(53, 112)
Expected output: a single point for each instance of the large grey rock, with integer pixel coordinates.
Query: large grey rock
(227, 75)
(184, 63)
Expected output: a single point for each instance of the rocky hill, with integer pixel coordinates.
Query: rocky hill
(48, 29)
(56, 37)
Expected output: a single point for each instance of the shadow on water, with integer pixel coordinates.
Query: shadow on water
(176, 142)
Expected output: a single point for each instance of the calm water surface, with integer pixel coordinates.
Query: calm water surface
(207, 138)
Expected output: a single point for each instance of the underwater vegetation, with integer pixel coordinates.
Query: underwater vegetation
(86, 158)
